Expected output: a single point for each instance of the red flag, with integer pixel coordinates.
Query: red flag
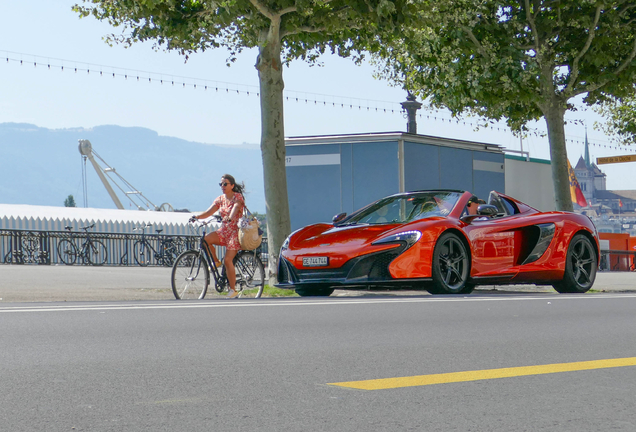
(575, 189)
(620, 203)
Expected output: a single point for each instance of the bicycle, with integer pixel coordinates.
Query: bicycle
(168, 249)
(191, 272)
(91, 251)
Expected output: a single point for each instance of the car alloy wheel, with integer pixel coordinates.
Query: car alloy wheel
(451, 266)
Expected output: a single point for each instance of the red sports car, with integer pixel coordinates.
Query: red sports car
(430, 240)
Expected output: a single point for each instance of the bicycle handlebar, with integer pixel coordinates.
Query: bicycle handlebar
(142, 227)
(85, 228)
(205, 222)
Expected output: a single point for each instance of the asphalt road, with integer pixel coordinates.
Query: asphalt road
(33, 283)
(268, 364)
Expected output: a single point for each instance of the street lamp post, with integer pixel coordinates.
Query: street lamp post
(411, 106)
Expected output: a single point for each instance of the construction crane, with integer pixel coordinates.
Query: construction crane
(107, 172)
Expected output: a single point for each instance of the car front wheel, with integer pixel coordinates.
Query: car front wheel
(451, 266)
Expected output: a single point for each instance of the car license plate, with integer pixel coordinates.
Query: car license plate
(315, 261)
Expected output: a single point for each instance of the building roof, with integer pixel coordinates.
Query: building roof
(391, 136)
(616, 194)
(580, 165)
(597, 171)
(113, 215)
(49, 218)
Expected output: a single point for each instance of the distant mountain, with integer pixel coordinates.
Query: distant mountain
(42, 166)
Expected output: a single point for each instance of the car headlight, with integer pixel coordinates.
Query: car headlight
(408, 237)
(285, 244)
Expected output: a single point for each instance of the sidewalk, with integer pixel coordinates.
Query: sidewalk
(32, 283)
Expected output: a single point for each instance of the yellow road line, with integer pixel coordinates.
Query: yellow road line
(453, 377)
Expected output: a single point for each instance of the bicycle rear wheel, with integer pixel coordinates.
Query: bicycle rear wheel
(96, 253)
(190, 276)
(169, 253)
(141, 252)
(250, 274)
(67, 252)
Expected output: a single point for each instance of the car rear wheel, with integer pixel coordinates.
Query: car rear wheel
(580, 266)
(451, 266)
(314, 290)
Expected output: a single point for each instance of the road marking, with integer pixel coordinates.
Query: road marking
(454, 377)
(275, 302)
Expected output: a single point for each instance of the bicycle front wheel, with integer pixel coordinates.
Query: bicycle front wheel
(141, 251)
(250, 274)
(67, 252)
(190, 276)
(96, 253)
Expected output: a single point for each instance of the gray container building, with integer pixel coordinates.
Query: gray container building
(327, 175)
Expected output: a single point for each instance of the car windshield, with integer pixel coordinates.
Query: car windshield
(405, 208)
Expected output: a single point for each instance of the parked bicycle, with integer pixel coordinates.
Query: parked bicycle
(90, 251)
(168, 248)
(191, 272)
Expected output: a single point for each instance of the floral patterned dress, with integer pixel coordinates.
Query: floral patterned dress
(228, 233)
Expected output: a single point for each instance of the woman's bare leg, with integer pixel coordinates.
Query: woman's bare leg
(230, 271)
(213, 239)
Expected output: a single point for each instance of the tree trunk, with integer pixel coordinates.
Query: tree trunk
(554, 117)
(270, 76)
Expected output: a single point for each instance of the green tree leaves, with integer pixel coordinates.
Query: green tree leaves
(69, 201)
(517, 60)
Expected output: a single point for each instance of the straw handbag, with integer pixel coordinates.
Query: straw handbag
(250, 235)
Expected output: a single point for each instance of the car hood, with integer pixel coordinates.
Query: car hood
(334, 238)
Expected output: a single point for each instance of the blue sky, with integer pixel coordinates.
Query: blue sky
(49, 33)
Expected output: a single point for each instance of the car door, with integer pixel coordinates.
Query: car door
(493, 239)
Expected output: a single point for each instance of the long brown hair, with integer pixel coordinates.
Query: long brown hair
(240, 188)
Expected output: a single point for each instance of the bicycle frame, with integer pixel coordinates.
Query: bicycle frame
(165, 252)
(219, 278)
(82, 249)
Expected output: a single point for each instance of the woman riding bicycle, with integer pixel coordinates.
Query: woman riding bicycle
(230, 206)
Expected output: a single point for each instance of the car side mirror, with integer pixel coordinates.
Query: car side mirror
(337, 218)
(487, 210)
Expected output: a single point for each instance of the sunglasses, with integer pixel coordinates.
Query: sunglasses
(223, 184)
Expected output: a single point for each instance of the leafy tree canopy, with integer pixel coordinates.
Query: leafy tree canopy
(69, 201)
(307, 28)
(620, 114)
(519, 61)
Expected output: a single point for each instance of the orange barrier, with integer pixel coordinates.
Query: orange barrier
(618, 261)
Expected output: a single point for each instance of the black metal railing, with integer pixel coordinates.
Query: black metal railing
(42, 247)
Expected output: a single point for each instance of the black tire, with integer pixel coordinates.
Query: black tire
(190, 276)
(468, 288)
(96, 253)
(451, 266)
(315, 290)
(580, 266)
(250, 274)
(141, 252)
(67, 252)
